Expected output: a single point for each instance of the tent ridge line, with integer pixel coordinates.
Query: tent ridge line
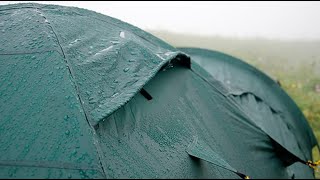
(94, 135)
(55, 34)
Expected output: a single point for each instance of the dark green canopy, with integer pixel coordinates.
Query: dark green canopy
(262, 99)
(83, 95)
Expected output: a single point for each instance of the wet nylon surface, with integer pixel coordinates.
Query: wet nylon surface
(262, 99)
(149, 139)
(61, 68)
(240, 78)
(109, 59)
(64, 70)
(41, 118)
(199, 150)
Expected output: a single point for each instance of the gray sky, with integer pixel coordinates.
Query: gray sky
(286, 20)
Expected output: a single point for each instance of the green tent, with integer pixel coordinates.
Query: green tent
(263, 100)
(83, 95)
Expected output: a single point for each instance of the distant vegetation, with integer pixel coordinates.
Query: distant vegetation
(296, 64)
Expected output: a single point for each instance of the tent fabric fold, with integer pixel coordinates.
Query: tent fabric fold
(242, 81)
(84, 95)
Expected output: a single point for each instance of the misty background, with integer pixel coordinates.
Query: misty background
(281, 39)
(285, 20)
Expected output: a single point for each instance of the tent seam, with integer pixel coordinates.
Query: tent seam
(79, 97)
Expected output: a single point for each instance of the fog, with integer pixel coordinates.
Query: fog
(284, 20)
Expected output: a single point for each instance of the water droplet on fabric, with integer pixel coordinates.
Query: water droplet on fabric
(66, 117)
(67, 132)
(115, 94)
(122, 35)
(114, 42)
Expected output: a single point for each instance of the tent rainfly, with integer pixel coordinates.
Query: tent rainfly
(84, 95)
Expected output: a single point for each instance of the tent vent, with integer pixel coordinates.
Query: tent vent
(146, 94)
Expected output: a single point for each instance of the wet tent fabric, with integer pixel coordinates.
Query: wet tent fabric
(104, 55)
(151, 138)
(62, 70)
(262, 99)
(70, 105)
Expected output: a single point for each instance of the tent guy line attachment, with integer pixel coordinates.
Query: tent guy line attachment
(313, 165)
(200, 150)
(243, 176)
